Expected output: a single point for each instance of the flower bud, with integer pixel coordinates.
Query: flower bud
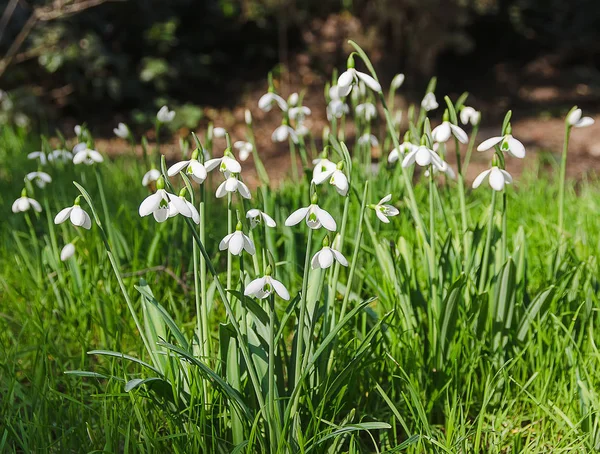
(160, 183)
(314, 199)
(397, 81)
(248, 117)
(350, 61)
(326, 241)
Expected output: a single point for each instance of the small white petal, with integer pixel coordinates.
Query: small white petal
(236, 243)
(585, 122)
(63, 215)
(480, 178)
(280, 289)
(36, 206)
(248, 245)
(369, 81)
(67, 251)
(255, 286)
(460, 134)
(222, 190)
(339, 257)
(212, 164)
(269, 220)
(225, 242)
(441, 133)
(496, 179)
(325, 219)
(489, 143)
(177, 167)
(150, 204)
(382, 217)
(516, 148)
(386, 199)
(574, 117)
(296, 216)
(325, 258)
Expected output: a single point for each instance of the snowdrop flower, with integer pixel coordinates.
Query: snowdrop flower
(157, 204)
(322, 165)
(404, 147)
(190, 210)
(366, 110)
(62, 155)
(509, 145)
(299, 113)
(336, 109)
(219, 132)
(314, 215)
(326, 256)
(575, 119)
(121, 131)
(470, 115)
(40, 178)
(164, 115)
(232, 184)
(301, 129)
(225, 164)
(368, 139)
(77, 215)
(264, 286)
(248, 117)
(85, 155)
(293, 99)
(282, 133)
(67, 252)
(443, 132)
(336, 178)
(191, 167)
(77, 130)
(382, 210)
(236, 242)
(397, 81)
(245, 149)
(447, 170)
(429, 102)
(38, 155)
(424, 157)
(150, 176)
(266, 101)
(351, 77)
(256, 217)
(498, 178)
(24, 203)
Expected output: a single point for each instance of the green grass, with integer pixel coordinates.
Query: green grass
(413, 369)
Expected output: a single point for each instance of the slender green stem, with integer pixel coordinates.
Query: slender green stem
(336, 271)
(229, 232)
(302, 315)
(561, 191)
(465, 166)
(273, 413)
(488, 244)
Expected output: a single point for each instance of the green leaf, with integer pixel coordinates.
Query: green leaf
(538, 308)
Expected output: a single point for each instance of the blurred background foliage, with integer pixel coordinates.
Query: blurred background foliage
(94, 58)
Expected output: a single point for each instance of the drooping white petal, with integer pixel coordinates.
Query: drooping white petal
(63, 215)
(459, 133)
(161, 214)
(95, 156)
(180, 204)
(212, 164)
(346, 80)
(496, 179)
(480, 178)
(36, 206)
(325, 219)
(67, 251)
(269, 221)
(197, 171)
(150, 176)
(254, 287)
(323, 175)
(231, 165)
(507, 176)
(574, 117)
(236, 243)
(325, 258)
(369, 81)
(409, 159)
(339, 180)
(382, 217)
(79, 157)
(222, 190)
(441, 133)
(280, 289)
(296, 216)
(489, 143)
(339, 257)
(423, 156)
(585, 122)
(248, 245)
(386, 199)
(225, 242)
(243, 190)
(177, 167)
(150, 204)
(516, 148)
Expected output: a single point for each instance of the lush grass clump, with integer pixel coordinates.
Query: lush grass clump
(435, 338)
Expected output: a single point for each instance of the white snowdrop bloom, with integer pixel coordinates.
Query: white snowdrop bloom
(232, 184)
(219, 132)
(497, 177)
(470, 115)
(366, 110)
(164, 115)
(264, 286)
(266, 102)
(150, 176)
(429, 102)
(299, 113)
(368, 139)
(325, 258)
(351, 77)
(256, 217)
(236, 242)
(509, 145)
(77, 215)
(189, 212)
(383, 210)
(400, 151)
(575, 119)
(336, 178)
(225, 164)
(424, 156)
(293, 99)
(121, 131)
(315, 218)
(67, 252)
(443, 132)
(301, 129)
(248, 117)
(192, 167)
(158, 203)
(282, 133)
(40, 178)
(38, 155)
(322, 165)
(60, 155)
(24, 203)
(85, 155)
(397, 81)
(77, 130)
(336, 109)
(244, 149)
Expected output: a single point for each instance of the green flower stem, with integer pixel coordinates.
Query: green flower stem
(273, 413)
(334, 277)
(105, 211)
(293, 159)
(465, 166)
(463, 204)
(561, 191)
(229, 231)
(488, 244)
(302, 314)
